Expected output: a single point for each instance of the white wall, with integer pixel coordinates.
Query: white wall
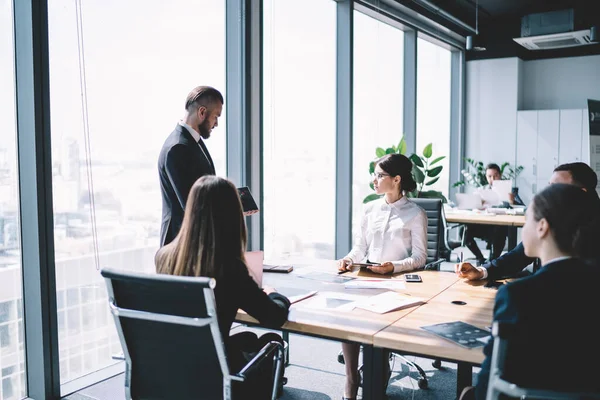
(560, 83)
(492, 91)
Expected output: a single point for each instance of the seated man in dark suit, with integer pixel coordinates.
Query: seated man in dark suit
(561, 229)
(515, 261)
(495, 236)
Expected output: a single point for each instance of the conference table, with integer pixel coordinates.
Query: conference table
(396, 330)
(483, 218)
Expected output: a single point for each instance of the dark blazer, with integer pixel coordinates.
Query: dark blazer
(180, 163)
(236, 289)
(558, 308)
(509, 264)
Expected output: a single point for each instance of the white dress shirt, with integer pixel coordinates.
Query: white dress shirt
(394, 232)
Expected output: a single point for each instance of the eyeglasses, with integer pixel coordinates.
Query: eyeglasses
(378, 175)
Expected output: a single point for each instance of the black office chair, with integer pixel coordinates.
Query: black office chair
(501, 380)
(171, 341)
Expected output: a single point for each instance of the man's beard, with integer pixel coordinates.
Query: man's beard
(204, 129)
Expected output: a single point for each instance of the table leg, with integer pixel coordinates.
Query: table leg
(512, 237)
(464, 377)
(373, 375)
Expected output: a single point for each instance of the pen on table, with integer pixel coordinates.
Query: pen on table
(461, 257)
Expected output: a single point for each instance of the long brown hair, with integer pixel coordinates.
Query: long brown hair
(213, 233)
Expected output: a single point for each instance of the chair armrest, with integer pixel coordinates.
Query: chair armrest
(261, 356)
(434, 265)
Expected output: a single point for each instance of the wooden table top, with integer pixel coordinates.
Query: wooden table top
(407, 335)
(486, 219)
(357, 325)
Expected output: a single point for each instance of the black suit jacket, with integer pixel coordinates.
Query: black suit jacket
(556, 310)
(180, 163)
(509, 264)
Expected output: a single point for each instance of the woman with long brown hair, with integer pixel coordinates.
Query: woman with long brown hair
(212, 243)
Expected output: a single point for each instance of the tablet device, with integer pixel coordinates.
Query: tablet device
(248, 203)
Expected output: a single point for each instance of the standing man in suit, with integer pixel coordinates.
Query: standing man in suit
(184, 157)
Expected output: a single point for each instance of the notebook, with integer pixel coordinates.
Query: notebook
(254, 261)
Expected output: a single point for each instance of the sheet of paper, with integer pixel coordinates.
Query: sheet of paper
(391, 284)
(331, 300)
(325, 277)
(389, 301)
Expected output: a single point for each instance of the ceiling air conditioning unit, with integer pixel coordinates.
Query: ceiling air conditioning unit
(551, 30)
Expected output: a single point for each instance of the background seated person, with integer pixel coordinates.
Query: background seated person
(562, 230)
(393, 232)
(513, 262)
(212, 243)
(495, 236)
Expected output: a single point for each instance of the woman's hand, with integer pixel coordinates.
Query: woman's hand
(344, 264)
(384, 268)
(468, 271)
(269, 290)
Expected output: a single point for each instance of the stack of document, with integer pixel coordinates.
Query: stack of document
(389, 301)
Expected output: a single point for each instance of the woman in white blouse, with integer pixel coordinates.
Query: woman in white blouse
(393, 233)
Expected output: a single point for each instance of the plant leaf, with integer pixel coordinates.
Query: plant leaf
(402, 146)
(416, 160)
(379, 152)
(435, 171)
(372, 167)
(371, 197)
(418, 175)
(437, 160)
(431, 182)
(459, 184)
(371, 186)
(428, 150)
(389, 150)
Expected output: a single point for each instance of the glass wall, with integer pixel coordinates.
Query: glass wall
(119, 73)
(433, 106)
(378, 99)
(299, 128)
(12, 346)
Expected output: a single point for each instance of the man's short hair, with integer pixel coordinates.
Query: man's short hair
(493, 166)
(203, 96)
(582, 174)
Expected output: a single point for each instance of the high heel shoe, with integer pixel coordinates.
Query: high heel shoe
(355, 391)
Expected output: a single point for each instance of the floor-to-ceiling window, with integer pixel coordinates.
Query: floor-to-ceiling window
(12, 346)
(119, 73)
(299, 128)
(378, 99)
(433, 106)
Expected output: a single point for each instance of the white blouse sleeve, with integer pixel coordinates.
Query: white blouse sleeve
(418, 234)
(359, 251)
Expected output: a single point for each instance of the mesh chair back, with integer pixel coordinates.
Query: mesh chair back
(433, 208)
(168, 360)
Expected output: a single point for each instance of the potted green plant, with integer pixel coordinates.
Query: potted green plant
(425, 171)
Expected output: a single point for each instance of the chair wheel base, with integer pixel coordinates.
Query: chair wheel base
(437, 364)
(340, 358)
(423, 384)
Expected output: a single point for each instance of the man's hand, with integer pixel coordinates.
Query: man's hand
(344, 264)
(468, 271)
(384, 268)
(247, 213)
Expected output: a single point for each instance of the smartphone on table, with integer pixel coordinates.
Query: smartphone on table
(413, 278)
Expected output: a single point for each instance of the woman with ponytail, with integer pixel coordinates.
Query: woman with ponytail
(393, 233)
(558, 307)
